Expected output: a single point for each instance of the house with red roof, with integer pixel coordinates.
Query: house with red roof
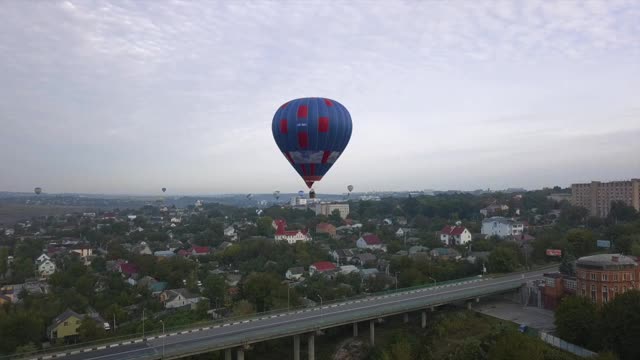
(290, 236)
(277, 223)
(455, 235)
(321, 267)
(199, 250)
(326, 228)
(371, 242)
(129, 269)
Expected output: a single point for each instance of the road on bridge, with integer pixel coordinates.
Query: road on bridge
(226, 335)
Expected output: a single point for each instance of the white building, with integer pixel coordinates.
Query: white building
(501, 227)
(46, 268)
(230, 232)
(292, 236)
(177, 298)
(370, 242)
(294, 273)
(298, 201)
(328, 208)
(42, 258)
(348, 269)
(455, 235)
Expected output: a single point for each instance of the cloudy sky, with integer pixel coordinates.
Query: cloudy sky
(130, 96)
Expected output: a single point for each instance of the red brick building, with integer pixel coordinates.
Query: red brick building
(602, 277)
(556, 286)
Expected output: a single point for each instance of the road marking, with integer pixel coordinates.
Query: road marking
(115, 345)
(137, 341)
(101, 347)
(74, 352)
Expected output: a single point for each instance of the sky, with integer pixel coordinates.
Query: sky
(126, 97)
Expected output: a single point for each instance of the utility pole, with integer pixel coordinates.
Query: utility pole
(143, 323)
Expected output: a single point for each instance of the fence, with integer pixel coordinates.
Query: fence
(561, 344)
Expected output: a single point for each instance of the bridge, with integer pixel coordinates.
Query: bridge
(236, 336)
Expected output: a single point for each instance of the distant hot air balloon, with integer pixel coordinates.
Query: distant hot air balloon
(276, 194)
(249, 196)
(164, 189)
(37, 190)
(350, 188)
(301, 193)
(312, 133)
(259, 212)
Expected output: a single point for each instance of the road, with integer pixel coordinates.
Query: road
(222, 336)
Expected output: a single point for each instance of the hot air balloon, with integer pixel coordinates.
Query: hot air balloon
(301, 193)
(312, 133)
(312, 194)
(37, 190)
(350, 188)
(249, 196)
(259, 212)
(276, 194)
(164, 189)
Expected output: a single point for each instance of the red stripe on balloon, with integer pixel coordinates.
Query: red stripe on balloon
(303, 110)
(303, 139)
(304, 169)
(284, 126)
(328, 102)
(325, 156)
(313, 169)
(323, 124)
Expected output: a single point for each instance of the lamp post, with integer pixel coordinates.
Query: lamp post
(288, 297)
(320, 307)
(397, 280)
(143, 323)
(163, 337)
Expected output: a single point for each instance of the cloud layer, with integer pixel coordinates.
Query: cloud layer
(127, 97)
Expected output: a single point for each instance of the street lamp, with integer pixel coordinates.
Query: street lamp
(320, 307)
(143, 323)
(163, 337)
(397, 280)
(288, 297)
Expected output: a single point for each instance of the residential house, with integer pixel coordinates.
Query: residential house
(233, 279)
(371, 242)
(164, 254)
(445, 254)
(342, 256)
(177, 298)
(46, 268)
(367, 273)
(501, 227)
(64, 328)
(9, 232)
(364, 259)
(348, 269)
(403, 233)
(455, 235)
(476, 256)
(128, 269)
(494, 209)
(230, 232)
(290, 236)
(321, 267)
(143, 249)
(277, 223)
(199, 250)
(83, 251)
(326, 228)
(155, 286)
(224, 245)
(418, 249)
(294, 273)
(42, 258)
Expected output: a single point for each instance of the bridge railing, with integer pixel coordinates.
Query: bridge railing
(234, 319)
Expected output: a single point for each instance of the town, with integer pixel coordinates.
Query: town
(91, 275)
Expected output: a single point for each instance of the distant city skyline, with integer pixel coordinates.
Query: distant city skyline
(112, 97)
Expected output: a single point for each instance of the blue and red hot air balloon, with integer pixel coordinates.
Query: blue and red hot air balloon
(312, 133)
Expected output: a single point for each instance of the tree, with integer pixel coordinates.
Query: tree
(4, 266)
(400, 350)
(621, 212)
(567, 265)
(575, 320)
(260, 288)
(243, 307)
(214, 289)
(581, 241)
(514, 345)
(265, 226)
(334, 218)
(620, 325)
(89, 330)
(503, 259)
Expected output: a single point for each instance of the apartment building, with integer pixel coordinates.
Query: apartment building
(597, 196)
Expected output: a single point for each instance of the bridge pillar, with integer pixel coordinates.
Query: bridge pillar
(355, 329)
(240, 354)
(406, 318)
(424, 319)
(227, 354)
(372, 332)
(312, 347)
(469, 305)
(296, 347)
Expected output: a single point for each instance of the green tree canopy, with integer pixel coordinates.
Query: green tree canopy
(575, 320)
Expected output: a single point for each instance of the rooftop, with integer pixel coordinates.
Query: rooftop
(606, 260)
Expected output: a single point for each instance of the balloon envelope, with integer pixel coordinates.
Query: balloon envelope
(276, 194)
(164, 189)
(312, 133)
(249, 196)
(300, 193)
(350, 188)
(37, 190)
